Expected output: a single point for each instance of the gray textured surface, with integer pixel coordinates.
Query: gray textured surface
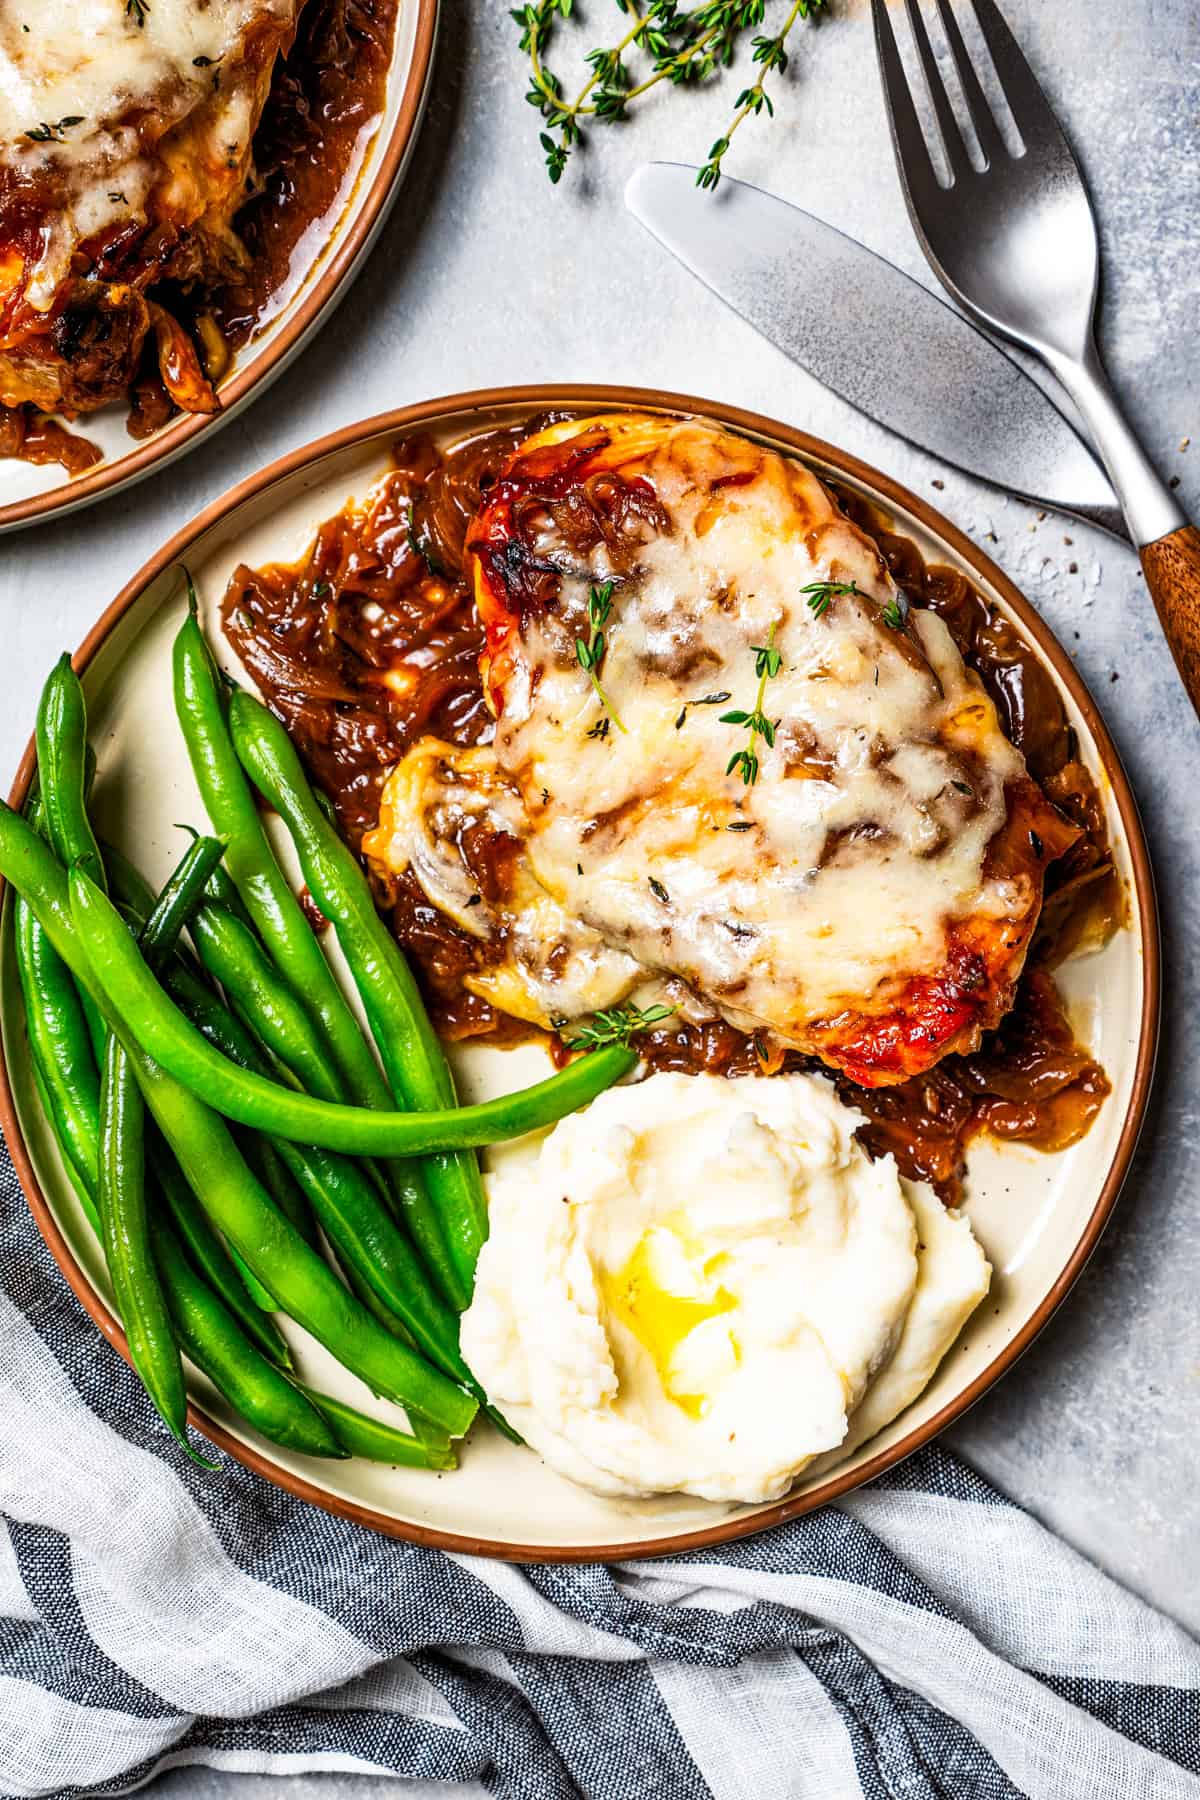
(486, 274)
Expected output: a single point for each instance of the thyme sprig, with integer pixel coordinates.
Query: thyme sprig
(769, 53)
(767, 663)
(617, 1025)
(821, 594)
(664, 41)
(590, 651)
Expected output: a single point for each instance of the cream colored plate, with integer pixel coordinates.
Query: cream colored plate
(325, 263)
(1037, 1216)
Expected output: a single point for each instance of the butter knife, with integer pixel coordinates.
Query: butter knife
(875, 337)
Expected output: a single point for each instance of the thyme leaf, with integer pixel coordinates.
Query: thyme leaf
(591, 651)
(821, 594)
(617, 1025)
(767, 663)
(46, 133)
(704, 700)
(663, 41)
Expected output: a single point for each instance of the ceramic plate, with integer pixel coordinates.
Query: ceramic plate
(1038, 1216)
(29, 492)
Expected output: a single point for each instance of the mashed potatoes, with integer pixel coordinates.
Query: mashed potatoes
(695, 1284)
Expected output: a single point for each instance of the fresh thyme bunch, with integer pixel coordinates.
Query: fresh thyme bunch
(665, 41)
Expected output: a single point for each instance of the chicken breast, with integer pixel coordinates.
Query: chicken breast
(729, 760)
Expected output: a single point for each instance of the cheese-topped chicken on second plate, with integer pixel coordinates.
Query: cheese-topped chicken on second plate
(734, 770)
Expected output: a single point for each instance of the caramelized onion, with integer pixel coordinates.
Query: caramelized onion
(179, 364)
(33, 438)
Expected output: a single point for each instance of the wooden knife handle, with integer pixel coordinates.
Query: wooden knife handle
(1172, 567)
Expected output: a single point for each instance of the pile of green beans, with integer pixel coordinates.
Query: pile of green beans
(348, 1195)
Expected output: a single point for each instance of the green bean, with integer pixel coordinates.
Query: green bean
(272, 1170)
(276, 912)
(222, 889)
(413, 1058)
(265, 1302)
(254, 881)
(302, 1284)
(371, 1438)
(225, 1360)
(158, 936)
(63, 771)
(181, 973)
(269, 1171)
(365, 1236)
(78, 1185)
(60, 1048)
(305, 1288)
(122, 1177)
(252, 1385)
(394, 1327)
(174, 1043)
(62, 751)
(234, 957)
(210, 1336)
(36, 814)
(69, 1085)
(236, 1042)
(345, 1202)
(69, 1081)
(234, 1036)
(366, 1296)
(179, 900)
(127, 1249)
(209, 1333)
(213, 1260)
(126, 883)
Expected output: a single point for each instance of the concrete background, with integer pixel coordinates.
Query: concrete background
(487, 274)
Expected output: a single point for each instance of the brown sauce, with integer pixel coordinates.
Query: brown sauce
(29, 436)
(326, 96)
(372, 640)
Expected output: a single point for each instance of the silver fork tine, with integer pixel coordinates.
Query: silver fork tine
(948, 129)
(978, 107)
(917, 172)
(1030, 108)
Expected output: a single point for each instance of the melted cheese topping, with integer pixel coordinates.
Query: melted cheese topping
(552, 965)
(128, 87)
(855, 864)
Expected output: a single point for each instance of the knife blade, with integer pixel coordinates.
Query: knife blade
(876, 337)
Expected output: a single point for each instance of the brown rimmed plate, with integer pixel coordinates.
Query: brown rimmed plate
(1039, 1217)
(30, 493)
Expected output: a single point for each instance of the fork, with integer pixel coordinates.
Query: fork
(1015, 244)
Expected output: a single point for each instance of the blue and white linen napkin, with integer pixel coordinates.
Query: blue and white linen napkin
(922, 1640)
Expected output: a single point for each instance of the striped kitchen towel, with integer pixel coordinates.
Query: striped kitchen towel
(923, 1640)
